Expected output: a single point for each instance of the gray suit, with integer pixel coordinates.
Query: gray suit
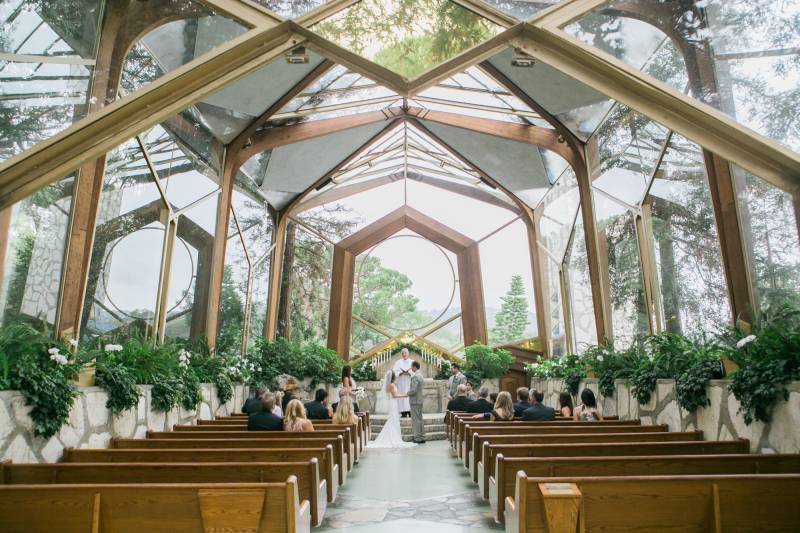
(454, 382)
(416, 397)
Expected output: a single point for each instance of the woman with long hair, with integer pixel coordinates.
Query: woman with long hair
(588, 410)
(391, 435)
(503, 408)
(295, 420)
(565, 404)
(344, 412)
(346, 387)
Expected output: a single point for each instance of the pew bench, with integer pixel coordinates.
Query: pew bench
(502, 484)
(479, 439)
(155, 508)
(740, 503)
(310, 486)
(327, 467)
(599, 449)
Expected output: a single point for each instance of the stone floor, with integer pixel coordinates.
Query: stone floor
(421, 489)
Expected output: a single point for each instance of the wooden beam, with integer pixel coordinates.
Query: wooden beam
(563, 13)
(489, 12)
(699, 122)
(435, 231)
(649, 274)
(246, 11)
(378, 231)
(473, 307)
(275, 275)
(731, 236)
(92, 137)
(5, 230)
(465, 190)
(285, 135)
(345, 191)
(536, 135)
(540, 294)
(341, 301)
(327, 9)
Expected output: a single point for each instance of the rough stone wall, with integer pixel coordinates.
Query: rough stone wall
(91, 424)
(719, 421)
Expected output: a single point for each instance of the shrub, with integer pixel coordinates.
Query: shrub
(120, 383)
(571, 368)
(483, 362)
(444, 370)
(365, 371)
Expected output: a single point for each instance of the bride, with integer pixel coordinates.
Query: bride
(391, 436)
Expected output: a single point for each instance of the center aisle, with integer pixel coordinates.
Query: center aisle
(421, 489)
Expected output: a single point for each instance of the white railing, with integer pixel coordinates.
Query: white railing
(426, 355)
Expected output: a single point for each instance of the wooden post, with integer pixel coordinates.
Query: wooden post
(341, 303)
(731, 237)
(562, 502)
(473, 312)
(5, 227)
(275, 275)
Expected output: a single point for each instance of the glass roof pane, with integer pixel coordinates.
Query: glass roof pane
(561, 204)
(291, 9)
(408, 37)
(577, 106)
(467, 216)
(522, 9)
(753, 47)
(54, 28)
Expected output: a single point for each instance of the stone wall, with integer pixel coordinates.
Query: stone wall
(435, 395)
(719, 421)
(91, 424)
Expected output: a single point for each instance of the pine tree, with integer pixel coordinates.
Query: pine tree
(511, 321)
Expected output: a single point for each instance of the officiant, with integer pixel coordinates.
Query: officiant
(402, 371)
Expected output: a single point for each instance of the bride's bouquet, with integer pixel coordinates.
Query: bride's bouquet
(359, 393)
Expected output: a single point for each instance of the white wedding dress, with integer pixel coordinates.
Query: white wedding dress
(391, 436)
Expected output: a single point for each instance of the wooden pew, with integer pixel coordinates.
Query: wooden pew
(363, 423)
(463, 424)
(502, 484)
(476, 455)
(310, 486)
(454, 418)
(154, 508)
(740, 503)
(601, 449)
(490, 429)
(328, 468)
(339, 457)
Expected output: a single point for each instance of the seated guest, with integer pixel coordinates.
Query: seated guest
(295, 420)
(565, 404)
(481, 405)
(470, 393)
(459, 401)
(317, 410)
(493, 397)
(538, 412)
(503, 409)
(522, 401)
(588, 410)
(265, 420)
(278, 410)
(344, 412)
(253, 405)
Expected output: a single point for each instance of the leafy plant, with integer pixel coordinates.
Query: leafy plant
(643, 380)
(120, 383)
(365, 371)
(691, 385)
(444, 370)
(166, 393)
(571, 368)
(483, 362)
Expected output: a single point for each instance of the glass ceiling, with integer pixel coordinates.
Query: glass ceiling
(291, 9)
(522, 9)
(407, 36)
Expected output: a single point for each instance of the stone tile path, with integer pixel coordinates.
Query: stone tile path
(422, 489)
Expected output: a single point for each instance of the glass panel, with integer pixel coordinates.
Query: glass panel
(291, 9)
(692, 281)
(522, 9)
(470, 217)
(407, 37)
(753, 46)
(126, 257)
(552, 275)
(629, 145)
(307, 281)
(230, 325)
(771, 235)
(259, 302)
(40, 96)
(35, 254)
(450, 336)
(363, 338)
(577, 106)
(507, 277)
(629, 313)
(560, 206)
(584, 329)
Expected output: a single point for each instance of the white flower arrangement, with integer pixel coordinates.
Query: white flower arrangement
(53, 351)
(58, 357)
(113, 348)
(600, 358)
(745, 341)
(184, 358)
(73, 343)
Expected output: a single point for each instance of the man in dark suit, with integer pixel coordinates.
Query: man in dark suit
(317, 410)
(264, 420)
(460, 401)
(253, 405)
(522, 402)
(481, 405)
(538, 412)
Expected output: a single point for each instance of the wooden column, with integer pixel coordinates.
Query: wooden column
(473, 312)
(5, 227)
(218, 249)
(275, 275)
(341, 302)
(539, 281)
(650, 280)
(731, 237)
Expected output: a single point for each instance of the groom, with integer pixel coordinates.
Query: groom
(416, 397)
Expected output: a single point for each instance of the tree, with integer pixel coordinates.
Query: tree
(231, 314)
(511, 321)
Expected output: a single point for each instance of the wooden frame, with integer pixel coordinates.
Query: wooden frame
(340, 318)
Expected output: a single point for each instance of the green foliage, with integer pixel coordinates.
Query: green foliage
(483, 362)
(643, 380)
(365, 371)
(120, 383)
(608, 365)
(571, 368)
(511, 321)
(444, 370)
(268, 360)
(231, 315)
(768, 359)
(691, 384)
(45, 383)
